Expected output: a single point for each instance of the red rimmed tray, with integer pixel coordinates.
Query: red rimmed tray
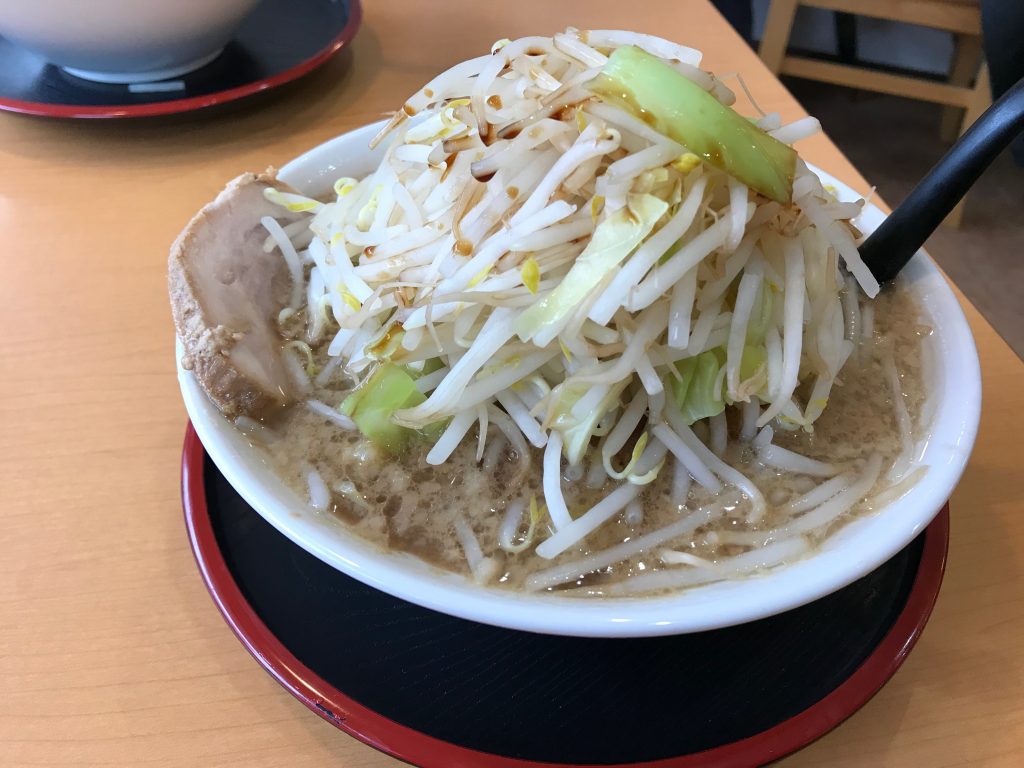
(280, 42)
(429, 689)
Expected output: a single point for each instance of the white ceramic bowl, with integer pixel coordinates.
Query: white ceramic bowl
(852, 552)
(124, 41)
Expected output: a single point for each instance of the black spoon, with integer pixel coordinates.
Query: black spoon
(888, 249)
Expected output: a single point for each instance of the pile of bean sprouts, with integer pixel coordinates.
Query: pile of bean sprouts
(480, 243)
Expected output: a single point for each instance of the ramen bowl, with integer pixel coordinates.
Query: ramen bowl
(952, 381)
(124, 41)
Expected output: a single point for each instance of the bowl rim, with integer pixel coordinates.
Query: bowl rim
(852, 552)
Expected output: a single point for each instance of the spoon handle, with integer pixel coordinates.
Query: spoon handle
(900, 236)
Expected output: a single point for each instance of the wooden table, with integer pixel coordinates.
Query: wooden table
(111, 651)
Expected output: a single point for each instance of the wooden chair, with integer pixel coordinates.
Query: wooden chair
(963, 101)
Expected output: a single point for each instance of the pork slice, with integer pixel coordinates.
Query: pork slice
(226, 293)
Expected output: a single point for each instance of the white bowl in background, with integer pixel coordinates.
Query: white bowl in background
(853, 551)
(124, 41)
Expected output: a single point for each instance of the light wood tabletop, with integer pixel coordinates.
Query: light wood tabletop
(111, 651)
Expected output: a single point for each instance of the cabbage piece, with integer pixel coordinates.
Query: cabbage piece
(577, 421)
(680, 387)
(755, 356)
(695, 393)
(387, 390)
(651, 90)
(760, 315)
(753, 372)
(613, 240)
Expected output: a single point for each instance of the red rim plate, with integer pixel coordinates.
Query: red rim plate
(196, 102)
(426, 751)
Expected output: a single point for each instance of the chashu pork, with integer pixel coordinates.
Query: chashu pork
(226, 293)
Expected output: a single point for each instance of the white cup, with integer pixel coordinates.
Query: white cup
(124, 41)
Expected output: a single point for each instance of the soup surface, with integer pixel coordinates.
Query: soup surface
(403, 503)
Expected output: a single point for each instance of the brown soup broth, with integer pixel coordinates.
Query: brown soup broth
(403, 503)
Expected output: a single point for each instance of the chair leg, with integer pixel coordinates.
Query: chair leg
(966, 61)
(981, 98)
(846, 36)
(777, 28)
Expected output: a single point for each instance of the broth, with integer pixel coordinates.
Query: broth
(403, 503)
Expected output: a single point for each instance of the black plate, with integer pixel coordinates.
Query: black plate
(441, 691)
(279, 42)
